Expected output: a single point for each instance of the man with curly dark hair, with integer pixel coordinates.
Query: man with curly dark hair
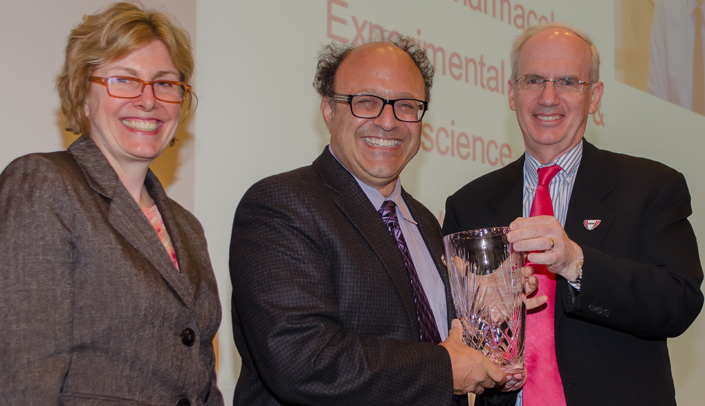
(329, 306)
(334, 53)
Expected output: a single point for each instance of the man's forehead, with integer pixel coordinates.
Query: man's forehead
(554, 52)
(380, 65)
(554, 37)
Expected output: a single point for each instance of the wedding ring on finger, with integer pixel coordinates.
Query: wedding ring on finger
(553, 244)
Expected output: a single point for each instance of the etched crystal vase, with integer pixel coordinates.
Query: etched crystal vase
(488, 292)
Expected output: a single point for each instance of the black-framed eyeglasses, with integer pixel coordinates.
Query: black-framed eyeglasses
(370, 106)
(125, 87)
(534, 83)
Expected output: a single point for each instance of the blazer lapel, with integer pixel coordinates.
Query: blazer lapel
(353, 202)
(434, 242)
(127, 218)
(187, 280)
(592, 185)
(507, 196)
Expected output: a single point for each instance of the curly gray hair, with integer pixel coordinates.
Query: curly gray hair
(333, 54)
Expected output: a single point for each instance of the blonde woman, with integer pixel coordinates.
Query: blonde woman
(108, 296)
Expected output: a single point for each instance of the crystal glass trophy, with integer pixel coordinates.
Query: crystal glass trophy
(488, 292)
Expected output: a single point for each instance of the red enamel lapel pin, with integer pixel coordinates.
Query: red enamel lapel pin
(591, 224)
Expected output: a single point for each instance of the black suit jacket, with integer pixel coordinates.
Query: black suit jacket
(323, 309)
(641, 277)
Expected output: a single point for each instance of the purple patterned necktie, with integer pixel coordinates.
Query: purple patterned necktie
(427, 322)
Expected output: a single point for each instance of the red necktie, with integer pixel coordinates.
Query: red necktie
(543, 382)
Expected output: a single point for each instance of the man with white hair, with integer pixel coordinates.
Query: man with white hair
(607, 234)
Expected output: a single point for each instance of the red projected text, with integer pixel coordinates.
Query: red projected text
(476, 70)
(516, 14)
(451, 143)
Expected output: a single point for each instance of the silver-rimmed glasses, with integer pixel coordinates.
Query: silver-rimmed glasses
(370, 106)
(125, 87)
(534, 83)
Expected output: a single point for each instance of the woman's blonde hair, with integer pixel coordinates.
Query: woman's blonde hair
(110, 35)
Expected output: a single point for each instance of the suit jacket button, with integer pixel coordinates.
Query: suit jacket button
(188, 337)
(591, 307)
(598, 310)
(184, 402)
(606, 313)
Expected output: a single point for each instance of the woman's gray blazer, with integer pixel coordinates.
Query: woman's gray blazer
(92, 310)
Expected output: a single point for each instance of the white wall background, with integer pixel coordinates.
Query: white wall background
(258, 113)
